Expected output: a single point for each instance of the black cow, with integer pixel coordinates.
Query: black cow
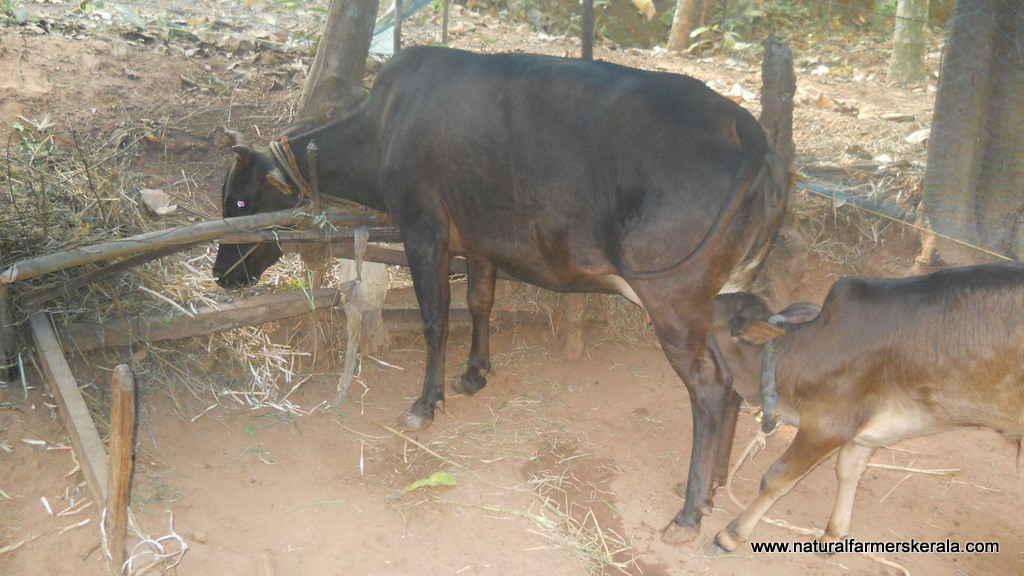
(885, 360)
(571, 175)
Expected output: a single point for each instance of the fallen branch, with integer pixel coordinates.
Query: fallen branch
(937, 472)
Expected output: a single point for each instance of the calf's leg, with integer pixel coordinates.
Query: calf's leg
(850, 465)
(732, 410)
(809, 447)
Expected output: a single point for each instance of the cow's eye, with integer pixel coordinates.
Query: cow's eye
(241, 203)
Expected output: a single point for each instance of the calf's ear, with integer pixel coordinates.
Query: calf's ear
(758, 332)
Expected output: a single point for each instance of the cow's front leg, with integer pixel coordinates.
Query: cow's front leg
(427, 252)
(480, 297)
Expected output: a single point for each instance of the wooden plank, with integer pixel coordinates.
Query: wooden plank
(249, 312)
(148, 242)
(122, 428)
(84, 438)
(245, 312)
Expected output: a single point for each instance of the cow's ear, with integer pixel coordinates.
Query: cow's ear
(243, 155)
(797, 313)
(758, 332)
(277, 179)
(235, 138)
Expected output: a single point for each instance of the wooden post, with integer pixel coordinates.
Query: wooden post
(8, 335)
(587, 52)
(84, 437)
(444, 23)
(777, 91)
(570, 324)
(122, 428)
(398, 26)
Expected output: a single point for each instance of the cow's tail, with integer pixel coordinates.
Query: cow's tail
(753, 167)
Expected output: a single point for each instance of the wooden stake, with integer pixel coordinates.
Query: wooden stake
(570, 325)
(84, 437)
(122, 428)
(8, 334)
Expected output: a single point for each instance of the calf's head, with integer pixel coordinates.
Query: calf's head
(741, 324)
(255, 183)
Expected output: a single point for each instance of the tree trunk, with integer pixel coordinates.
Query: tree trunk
(906, 65)
(334, 86)
(587, 44)
(682, 25)
(334, 81)
(974, 182)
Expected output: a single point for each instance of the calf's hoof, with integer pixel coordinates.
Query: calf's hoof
(827, 539)
(727, 541)
(676, 533)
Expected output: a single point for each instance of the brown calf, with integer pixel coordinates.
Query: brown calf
(884, 360)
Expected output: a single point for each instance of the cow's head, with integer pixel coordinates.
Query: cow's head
(741, 324)
(256, 183)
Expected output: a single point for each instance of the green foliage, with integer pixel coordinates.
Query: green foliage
(727, 39)
(88, 6)
(485, 41)
(12, 10)
(435, 479)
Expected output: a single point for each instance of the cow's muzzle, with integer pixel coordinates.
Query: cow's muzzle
(240, 265)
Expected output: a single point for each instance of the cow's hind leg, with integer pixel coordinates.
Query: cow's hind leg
(480, 297)
(809, 447)
(681, 319)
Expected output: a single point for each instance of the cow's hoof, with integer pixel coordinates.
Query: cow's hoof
(411, 422)
(469, 384)
(676, 533)
(727, 541)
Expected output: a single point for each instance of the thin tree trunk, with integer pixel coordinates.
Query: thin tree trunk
(334, 80)
(682, 25)
(334, 86)
(906, 65)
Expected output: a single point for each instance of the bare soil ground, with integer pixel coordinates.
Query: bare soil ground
(559, 467)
